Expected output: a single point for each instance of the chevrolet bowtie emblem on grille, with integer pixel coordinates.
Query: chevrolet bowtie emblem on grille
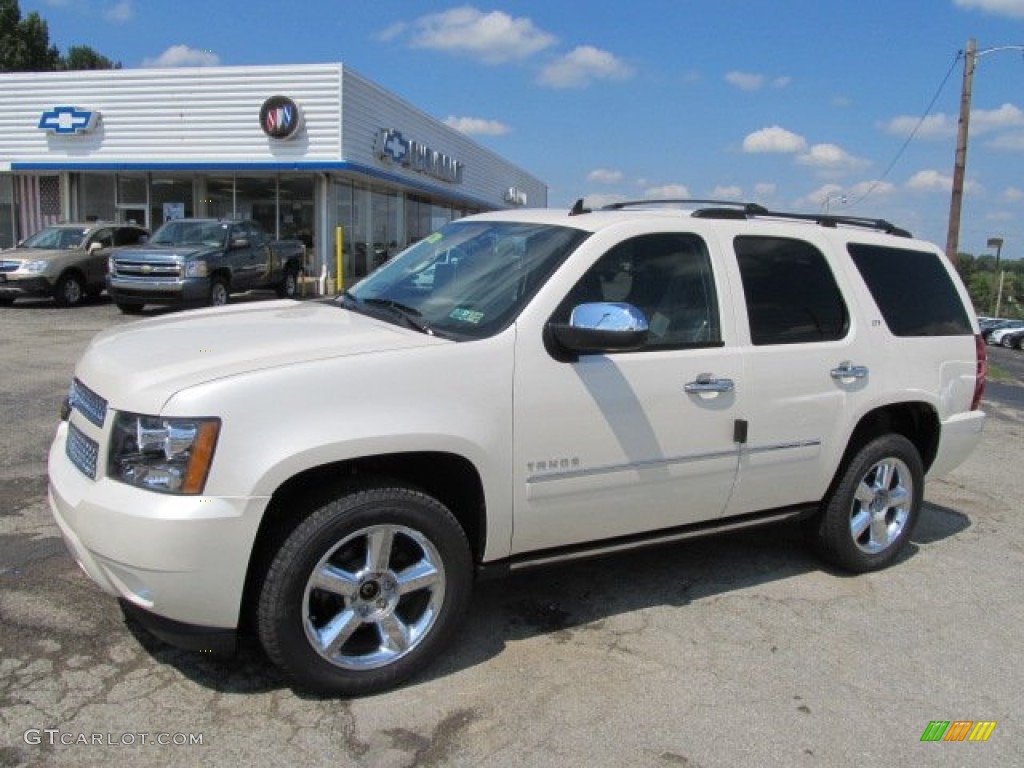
(67, 121)
(146, 269)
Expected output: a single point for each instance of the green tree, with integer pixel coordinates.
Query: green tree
(25, 45)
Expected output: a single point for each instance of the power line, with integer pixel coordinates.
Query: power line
(913, 133)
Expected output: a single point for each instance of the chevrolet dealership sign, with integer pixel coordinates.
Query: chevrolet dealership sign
(392, 147)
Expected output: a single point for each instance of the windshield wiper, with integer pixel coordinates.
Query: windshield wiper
(409, 315)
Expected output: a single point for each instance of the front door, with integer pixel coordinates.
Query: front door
(615, 444)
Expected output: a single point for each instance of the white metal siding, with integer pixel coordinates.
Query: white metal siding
(486, 176)
(154, 116)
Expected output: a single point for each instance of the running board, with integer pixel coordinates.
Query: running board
(546, 557)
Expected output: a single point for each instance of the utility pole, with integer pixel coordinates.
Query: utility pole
(960, 163)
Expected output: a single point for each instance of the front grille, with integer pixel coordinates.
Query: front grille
(87, 402)
(83, 451)
(159, 270)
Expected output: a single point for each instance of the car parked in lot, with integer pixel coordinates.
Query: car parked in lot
(65, 261)
(998, 324)
(1013, 339)
(519, 388)
(203, 261)
(995, 334)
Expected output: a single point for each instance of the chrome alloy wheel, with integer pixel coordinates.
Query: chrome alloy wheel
(881, 505)
(373, 597)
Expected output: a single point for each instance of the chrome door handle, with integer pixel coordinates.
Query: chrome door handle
(848, 370)
(706, 382)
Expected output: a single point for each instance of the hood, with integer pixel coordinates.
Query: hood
(139, 366)
(165, 252)
(37, 254)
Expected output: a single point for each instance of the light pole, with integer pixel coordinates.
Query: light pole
(997, 243)
(956, 201)
(833, 198)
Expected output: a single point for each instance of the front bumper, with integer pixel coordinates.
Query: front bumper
(185, 290)
(13, 287)
(180, 559)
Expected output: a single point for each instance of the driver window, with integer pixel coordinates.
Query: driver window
(666, 276)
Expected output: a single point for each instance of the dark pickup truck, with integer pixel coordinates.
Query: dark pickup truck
(202, 261)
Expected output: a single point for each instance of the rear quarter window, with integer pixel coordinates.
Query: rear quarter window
(913, 291)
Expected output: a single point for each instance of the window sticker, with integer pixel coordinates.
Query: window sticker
(466, 315)
(434, 237)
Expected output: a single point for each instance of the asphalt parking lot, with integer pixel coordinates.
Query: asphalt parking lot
(742, 650)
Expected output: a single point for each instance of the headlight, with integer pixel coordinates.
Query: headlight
(33, 267)
(196, 269)
(158, 454)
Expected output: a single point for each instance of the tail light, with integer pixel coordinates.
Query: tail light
(981, 372)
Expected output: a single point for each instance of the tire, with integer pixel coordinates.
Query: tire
(69, 290)
(219, 295)
(388, 569)
(128, 308)
(1006, 341)
(289, 286)
(871, 511)
(6, 301)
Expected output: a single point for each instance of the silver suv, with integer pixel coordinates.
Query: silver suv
(517, 389)
(65, 261)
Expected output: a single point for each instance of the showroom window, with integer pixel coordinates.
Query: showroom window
(7, 238)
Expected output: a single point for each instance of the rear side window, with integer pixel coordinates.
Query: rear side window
(913, 290)
(792, 297)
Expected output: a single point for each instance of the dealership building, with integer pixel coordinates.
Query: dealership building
(314, 152)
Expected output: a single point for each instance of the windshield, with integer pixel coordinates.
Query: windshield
(57, 238)
(192, 233)
(469, 280)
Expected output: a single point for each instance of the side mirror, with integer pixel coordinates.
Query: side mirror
(601, 327)
(95, 246)
(239, 242)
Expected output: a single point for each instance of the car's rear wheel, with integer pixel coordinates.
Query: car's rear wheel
(289, 286)
(365, 591)
(69, 290)
(870, 514)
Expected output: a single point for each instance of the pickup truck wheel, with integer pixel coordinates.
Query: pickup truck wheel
(365, 591)
(129, 309)
(870, 515)
(218, 292)
(69, 291)
(289, 286)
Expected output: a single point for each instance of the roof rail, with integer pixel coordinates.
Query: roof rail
(731, 209)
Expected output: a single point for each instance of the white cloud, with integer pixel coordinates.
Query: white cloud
(727, 193)
(764, 190)
(829, 157)
(477, 126)
(601, 200)
(667, 192)
(937, 126)
(1012, 8)
(605, 176)
(493, 38)
(581, 66)
(989, 120)
(1013, 194)
(749, 81)
(183, 56)
(1014, 142)
(120, 11)
(930, 181)
(774, 139)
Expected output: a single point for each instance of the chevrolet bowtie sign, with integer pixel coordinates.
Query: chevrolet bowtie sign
(392, 147)
(68, 121)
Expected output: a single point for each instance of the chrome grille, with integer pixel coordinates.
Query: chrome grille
(146, 268)
(83, 451)
(87, 402)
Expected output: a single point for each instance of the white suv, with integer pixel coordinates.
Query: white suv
(516, 389)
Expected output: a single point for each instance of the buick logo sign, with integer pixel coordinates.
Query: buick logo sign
(280, 117)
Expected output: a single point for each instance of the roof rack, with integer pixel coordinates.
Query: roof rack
(731, 209)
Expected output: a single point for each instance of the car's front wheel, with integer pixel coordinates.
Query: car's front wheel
(870, 514)
(218, 292)
(365, 591)
(288, 288)
(69, 290)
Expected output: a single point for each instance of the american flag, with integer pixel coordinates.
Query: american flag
(38, 199)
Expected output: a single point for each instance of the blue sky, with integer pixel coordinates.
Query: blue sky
(797, 104)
